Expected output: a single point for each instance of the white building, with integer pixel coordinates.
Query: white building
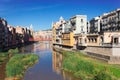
(79, 24)
(67, 27)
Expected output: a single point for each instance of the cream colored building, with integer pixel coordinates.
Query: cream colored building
(112, 38)
(43, 34)
(87, 40)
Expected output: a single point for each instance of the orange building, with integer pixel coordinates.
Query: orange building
(67, 39)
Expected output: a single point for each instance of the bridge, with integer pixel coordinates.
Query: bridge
(40, 39)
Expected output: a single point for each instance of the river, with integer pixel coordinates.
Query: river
(49, 66)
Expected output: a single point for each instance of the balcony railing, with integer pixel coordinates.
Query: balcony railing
(82, 44)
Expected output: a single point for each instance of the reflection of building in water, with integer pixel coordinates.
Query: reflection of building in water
(69, 76)
(27, 49)
(43, 45)
(57, 61)
(2, 71)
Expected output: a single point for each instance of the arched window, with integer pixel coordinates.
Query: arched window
(115, 40)
(92, 40)
(85, 40)
(89, 39)
(95, 40)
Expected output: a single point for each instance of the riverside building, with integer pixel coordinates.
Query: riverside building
(99, 37)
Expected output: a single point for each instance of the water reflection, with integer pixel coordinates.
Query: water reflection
(43, 69)
(49, 66)
(57, 59)
(36, 47)
(57, 62)
(2, 71)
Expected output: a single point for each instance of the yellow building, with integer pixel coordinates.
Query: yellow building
(54, 27)
(67, 39)
(54, 34)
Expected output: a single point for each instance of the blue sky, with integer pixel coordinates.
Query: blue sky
(41, 13)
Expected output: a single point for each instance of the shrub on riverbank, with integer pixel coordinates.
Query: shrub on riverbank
(5, 55)
(87, 68)
(19, 63)
(11, 52)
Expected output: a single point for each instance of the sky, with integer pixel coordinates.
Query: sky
(41, 13)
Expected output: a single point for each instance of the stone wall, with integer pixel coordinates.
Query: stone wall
(99, 50)
(109, 54)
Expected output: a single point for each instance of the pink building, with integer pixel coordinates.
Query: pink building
(20, 34)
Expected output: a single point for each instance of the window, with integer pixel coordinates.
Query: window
(81, 20)
(89, 39)
(82, 28)
(116, 40)
(95, 40)
(85, 40)
(119, 15)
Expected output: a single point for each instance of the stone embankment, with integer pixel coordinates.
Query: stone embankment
(108, 54)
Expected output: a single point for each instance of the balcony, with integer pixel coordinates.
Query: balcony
(74, 28)
(82, 44)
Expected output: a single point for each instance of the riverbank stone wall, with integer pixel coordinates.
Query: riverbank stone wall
(109, 54)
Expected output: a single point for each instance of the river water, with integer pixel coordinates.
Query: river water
(49, 66)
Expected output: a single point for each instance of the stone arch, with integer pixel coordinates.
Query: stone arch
(85, 40)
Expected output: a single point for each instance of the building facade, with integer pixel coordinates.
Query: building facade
(58, 28)
(11, 37)
(99, 31)
(78, 24)
(95, 25)
(112, 38)
(4, 34)
(43, 35)
(99, 37)
(67, 39)
(111, 21)
(88, 27)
